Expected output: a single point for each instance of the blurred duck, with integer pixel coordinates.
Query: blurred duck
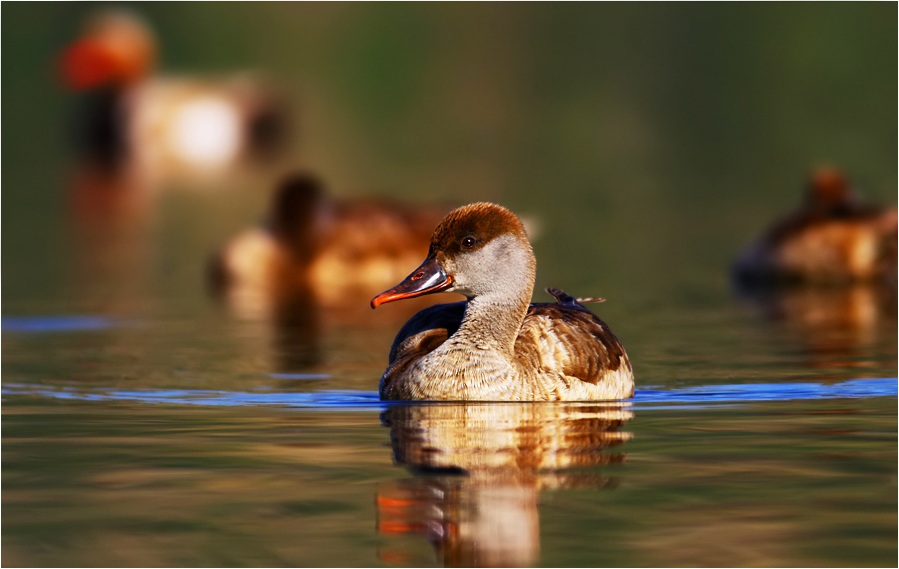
(335, 250)
(497, 346)
(830, 238)
(165, 126)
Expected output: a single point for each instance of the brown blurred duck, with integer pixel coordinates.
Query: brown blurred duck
(337, 250)
(157, 124)
(831, 238)
(496, 346)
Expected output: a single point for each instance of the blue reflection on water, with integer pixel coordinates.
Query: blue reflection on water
(740, 392)
(329, 399)
(73, 323)
(656, 399)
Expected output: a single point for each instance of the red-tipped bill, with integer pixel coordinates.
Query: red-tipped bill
(426, 279)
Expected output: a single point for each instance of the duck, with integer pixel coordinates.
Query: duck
(336, 249)
(832, 238)
(166, 126)
(496, 345)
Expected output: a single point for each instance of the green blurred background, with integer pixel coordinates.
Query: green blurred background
(651, 140)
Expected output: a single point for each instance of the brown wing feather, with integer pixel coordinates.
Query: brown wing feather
(568, 338)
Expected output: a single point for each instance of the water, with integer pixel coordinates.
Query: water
(141, 484)
(133, 441)
(700, 397)
(147, 424)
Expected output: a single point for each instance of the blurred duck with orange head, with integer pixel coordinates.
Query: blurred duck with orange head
(161, 125)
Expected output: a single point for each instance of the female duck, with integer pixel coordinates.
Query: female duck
(497, 346)
(166, 127)
(312, 242)
(831, 238)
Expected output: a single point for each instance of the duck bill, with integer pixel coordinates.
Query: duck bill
(426, 279)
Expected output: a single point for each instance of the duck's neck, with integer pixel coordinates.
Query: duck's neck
(493, 321)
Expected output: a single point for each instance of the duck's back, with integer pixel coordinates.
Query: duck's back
(572, 341)
(565, 338)
(853, 243)
(373, 241)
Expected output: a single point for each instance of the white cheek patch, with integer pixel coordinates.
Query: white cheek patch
(501, 249)
(501, 267)
(508, 253)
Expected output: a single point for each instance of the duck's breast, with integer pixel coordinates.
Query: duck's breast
(421, 335)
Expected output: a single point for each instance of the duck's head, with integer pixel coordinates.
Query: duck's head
(828, 190)
(478, 249)
(115, 48)
(293, 212)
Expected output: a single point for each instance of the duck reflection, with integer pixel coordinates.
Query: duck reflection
(109, 228)
(296, 332)
(835, 325)
(480, 469)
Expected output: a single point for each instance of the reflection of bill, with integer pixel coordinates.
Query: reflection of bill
(480, 469)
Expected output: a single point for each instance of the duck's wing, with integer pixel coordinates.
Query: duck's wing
(425, 331)
(566, 337)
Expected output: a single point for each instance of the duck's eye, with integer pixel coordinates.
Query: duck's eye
(469, 242)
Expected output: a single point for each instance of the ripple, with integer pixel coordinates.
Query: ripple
(353, 400)
(749, 392)
(329, 399)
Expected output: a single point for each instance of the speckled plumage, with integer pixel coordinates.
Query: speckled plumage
(497, 346)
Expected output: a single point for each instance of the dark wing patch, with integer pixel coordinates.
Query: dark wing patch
(568, 338)
(423, 333)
